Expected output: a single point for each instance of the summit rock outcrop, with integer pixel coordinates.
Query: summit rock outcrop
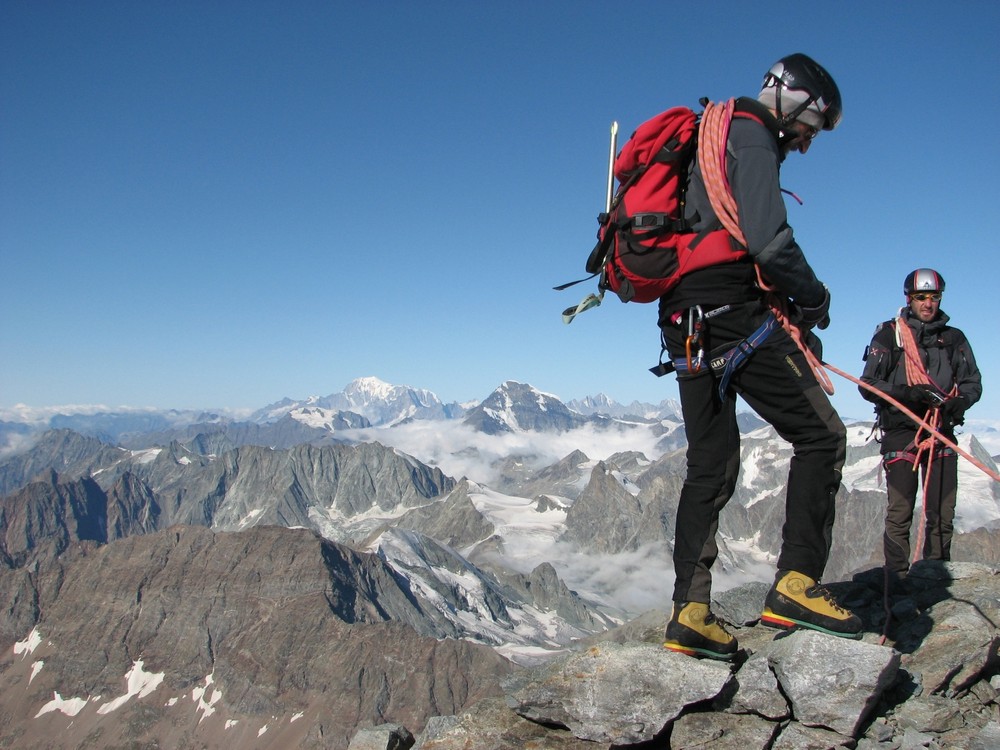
(925, 675)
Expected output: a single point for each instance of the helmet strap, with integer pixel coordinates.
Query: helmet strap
(785, 120)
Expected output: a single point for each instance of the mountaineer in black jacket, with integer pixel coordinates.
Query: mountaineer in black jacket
(941, 382)
(725, 306)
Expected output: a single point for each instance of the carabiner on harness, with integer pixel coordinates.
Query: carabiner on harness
(696, 326)
(693, 342)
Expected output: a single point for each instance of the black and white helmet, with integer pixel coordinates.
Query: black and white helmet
(799, 88)
(923, 280)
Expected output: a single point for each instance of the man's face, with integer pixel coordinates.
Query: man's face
(924, 305)
(802, 137)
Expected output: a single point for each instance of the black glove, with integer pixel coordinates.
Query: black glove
(818, 316)
(953, 410)
(923, 394)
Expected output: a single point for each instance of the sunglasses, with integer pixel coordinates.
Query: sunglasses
(924, 296)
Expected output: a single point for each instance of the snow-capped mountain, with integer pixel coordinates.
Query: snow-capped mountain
(364, 402)
(517, 407)
(375, 400)
(553, 486)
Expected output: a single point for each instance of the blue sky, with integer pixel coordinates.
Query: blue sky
(222, 204)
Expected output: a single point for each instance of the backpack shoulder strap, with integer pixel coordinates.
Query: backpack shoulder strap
(885, 334)
(884, 337)
(751, 109)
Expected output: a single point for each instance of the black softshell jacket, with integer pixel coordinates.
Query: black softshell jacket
(946, 354)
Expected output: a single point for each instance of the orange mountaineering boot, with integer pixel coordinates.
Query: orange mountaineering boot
(695, 631)
(795, 599)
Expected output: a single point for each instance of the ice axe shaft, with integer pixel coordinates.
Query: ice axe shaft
(611, 166)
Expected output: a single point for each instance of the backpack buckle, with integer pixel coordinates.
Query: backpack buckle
(643, 221)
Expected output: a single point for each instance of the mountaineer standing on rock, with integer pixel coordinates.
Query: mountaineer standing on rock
(722, 310)
(927, 366)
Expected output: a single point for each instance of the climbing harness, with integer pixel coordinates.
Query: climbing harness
(911, 457)
(916, 419)
(729, 361)
(693, 341)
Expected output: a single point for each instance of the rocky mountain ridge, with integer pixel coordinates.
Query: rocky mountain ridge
(353, 493)
(268, 628)
(620, 506)
(273, 638)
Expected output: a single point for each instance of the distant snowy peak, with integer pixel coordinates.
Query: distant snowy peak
(603, 405)
(385, 404)
(277, 410)
(380, 403)
(516, 407)
(371, 389)
(512, 407)
(599, 404)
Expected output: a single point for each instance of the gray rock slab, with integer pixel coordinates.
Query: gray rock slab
(617, 693)
(491, 725)
(382, 737)
(742, 605)
(755, 690)
(832, 682)
(987, 739)
(929, 714)
(956, 650)
(722, 731)
(797, 736)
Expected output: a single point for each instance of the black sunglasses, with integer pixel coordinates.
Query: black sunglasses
(924, 296)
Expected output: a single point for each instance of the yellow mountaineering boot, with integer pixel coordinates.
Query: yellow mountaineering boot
(695, 631)
(796, 599)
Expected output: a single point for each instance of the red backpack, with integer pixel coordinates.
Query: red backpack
(644, 243)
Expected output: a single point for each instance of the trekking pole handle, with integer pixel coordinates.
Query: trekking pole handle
(611, 166)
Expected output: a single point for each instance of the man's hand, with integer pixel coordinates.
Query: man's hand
(954, 410)
(922, 394)
(818, 316)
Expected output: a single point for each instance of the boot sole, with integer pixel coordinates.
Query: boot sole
(786, 623)
(690, 651)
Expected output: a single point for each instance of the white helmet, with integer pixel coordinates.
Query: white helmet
(923, 280)
(798, 88)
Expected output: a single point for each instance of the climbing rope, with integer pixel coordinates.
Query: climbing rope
(779, 306)
(916, 420)
(712, 139)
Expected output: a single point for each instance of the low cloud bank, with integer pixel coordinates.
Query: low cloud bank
(460, 451)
